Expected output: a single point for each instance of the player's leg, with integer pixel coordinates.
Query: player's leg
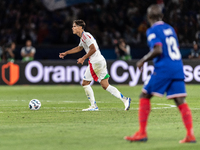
(99, 73)
(152, 86)
(187, 119)
(88, 91)
(178, 93)
(114, 91)
(144, 110)
(143, 114)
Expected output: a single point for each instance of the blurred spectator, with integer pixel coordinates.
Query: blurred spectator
(108, 20)
(123, 50)
(9, 52)
(28, 52)
(195, 52)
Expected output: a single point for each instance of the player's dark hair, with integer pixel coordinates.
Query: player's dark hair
(80, 23)
(155, 12)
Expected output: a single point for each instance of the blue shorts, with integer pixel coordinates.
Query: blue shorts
(157, 86)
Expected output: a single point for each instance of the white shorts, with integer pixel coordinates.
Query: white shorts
(96, 71)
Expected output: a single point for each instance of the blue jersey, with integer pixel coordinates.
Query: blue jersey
(169, 63)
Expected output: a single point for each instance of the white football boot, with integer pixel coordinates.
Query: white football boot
(91, 108)
(127, 103)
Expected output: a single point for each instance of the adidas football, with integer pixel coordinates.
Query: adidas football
(34, 104)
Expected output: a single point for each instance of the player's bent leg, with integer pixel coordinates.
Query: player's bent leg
(187, 119)
(179, 100)
(90, 95)
(143, 113)
(104, 83)
(114, 91)
(84, 82)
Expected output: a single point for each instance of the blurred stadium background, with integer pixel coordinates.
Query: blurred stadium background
(48, 23)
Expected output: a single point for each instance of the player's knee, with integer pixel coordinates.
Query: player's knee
(144, 95)
(84, 83)
(179, 100)
(104, 83)
(104, 87)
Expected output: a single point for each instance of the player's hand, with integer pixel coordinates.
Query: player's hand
(139, 64)
(62, 55)
(80, 61)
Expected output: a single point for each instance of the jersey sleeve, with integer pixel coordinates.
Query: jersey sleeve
(89, 40)
(153, 39)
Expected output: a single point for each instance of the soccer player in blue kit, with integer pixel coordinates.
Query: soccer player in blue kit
(167, 77)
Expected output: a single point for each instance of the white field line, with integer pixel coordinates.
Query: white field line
(80, 110)
(63, 109)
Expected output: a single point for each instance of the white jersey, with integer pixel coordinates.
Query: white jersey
(86, 40)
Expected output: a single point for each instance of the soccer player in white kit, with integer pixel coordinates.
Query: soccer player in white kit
(97, 67)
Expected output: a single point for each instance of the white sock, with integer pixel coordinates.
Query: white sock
(114, 91)
(90, 94)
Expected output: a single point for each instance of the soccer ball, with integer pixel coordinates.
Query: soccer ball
(34, 104)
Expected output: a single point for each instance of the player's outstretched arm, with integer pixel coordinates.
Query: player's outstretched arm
(72, 51)
(91, 51)
(157, 50)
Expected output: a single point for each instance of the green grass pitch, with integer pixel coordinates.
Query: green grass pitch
(61, 125)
